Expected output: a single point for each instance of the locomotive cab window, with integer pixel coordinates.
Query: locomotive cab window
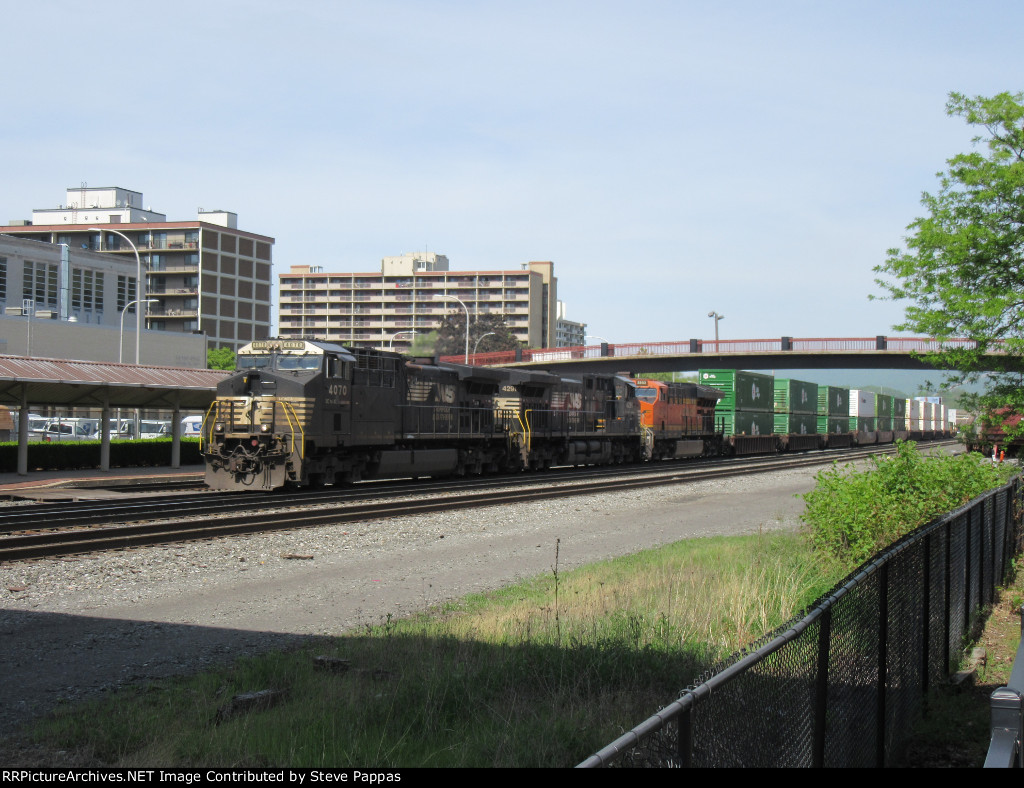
(647, 394)
(336, 368)
(307, 362)
(260, 361)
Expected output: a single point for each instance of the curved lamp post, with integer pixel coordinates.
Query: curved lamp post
(120, 341)
(717, 317)
(391, 342)
(140, 286)
(477, 343)
(440, 297)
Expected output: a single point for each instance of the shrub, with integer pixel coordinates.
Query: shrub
(851, 514)
(86, 454)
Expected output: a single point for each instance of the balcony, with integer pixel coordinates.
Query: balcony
(173, 291)
(172, 313)
(173, 268)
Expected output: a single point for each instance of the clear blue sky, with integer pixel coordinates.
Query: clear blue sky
(671, 158)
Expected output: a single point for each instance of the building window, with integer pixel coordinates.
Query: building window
(39, 284)
(125, 292)
(3, 278)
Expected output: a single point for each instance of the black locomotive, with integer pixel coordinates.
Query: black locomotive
(301, 412)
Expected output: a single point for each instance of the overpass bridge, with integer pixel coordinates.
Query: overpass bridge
(878, 352)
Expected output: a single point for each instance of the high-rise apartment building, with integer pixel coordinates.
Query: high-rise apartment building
(387, 309)
(202, 276)
(569, 333)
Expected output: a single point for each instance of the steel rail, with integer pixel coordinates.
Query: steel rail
(65, 542)
(65, 515)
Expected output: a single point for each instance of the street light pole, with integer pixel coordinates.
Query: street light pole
(391, 342)
(717, 317)
(440, 297)
(120, 341)
(477, 343)
(140, 285)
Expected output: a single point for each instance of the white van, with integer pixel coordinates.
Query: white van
(190, 426)
(71, 429)
(154, 429)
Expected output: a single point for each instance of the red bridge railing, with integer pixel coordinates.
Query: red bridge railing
(720, 347)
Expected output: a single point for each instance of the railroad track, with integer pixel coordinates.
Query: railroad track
(90, 527)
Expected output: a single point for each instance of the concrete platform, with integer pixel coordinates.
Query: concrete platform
(91, 482)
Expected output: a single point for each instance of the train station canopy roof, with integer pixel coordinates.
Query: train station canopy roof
(47, 381)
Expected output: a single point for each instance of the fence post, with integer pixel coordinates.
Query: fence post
(684, 745)
(967, 571)
(821, 690)
(948, 599)
(926, 617)
(883, 657)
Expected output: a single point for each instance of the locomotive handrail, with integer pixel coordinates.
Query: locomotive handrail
(286, 407)
(202, 427)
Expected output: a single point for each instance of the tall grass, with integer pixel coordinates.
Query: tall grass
(499, 679)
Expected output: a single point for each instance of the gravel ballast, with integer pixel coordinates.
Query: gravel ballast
(77, 626)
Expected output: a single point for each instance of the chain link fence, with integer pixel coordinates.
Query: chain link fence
(842, 685)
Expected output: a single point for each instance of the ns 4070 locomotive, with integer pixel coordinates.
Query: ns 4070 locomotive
(299, 412)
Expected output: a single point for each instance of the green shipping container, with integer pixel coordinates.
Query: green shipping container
(796, 423)
(884, 424)
(863, 424)
(833, 425)
(795, 396)
(899, 409)
(742, 391)
(833, 401)
(883, 406)
(744, 422)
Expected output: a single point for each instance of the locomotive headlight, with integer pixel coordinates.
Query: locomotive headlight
(219, 426)
(264, 428)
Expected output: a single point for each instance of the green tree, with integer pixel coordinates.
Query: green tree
(451, 335)
(423, 344)
(963, 266)
(668, 377)
(220, 358)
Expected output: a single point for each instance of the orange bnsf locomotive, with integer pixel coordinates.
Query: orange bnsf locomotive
(678, 419)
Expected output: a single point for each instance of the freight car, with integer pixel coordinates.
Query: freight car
(307, 413)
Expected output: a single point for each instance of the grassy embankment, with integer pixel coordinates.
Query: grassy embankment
(540, 674)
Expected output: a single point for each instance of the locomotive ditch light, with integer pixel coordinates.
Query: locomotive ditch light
(264, 428)
(219, 426)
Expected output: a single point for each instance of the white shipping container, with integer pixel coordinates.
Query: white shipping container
(862, 403)
(929, 411)
(915, 409)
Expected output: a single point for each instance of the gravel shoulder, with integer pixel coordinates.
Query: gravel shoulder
(74, 627)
